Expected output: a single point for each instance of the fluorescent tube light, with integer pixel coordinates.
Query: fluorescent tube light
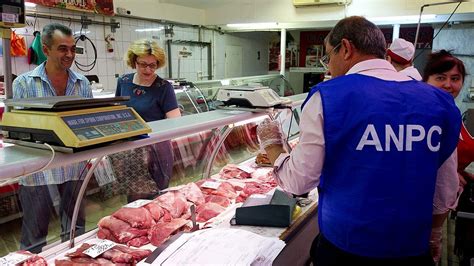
(263, 25)
(83, 32)
(401, 19)
(28, 4)
(150, 29)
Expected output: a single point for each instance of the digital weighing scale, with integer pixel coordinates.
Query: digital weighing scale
(250, 96)
(70, 123)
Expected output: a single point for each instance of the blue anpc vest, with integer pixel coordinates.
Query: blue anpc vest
(385, 141)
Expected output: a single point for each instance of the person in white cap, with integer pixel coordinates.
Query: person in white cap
(400, 55)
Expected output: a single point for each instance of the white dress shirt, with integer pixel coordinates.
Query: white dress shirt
(300, 171)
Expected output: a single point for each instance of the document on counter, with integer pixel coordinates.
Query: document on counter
(221, 246)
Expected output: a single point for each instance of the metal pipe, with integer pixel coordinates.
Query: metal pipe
(7, 66)
(421, 12)
(88, 21)
(170, 67)
(80, 196)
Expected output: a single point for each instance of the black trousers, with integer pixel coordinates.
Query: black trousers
(324, 253)
(38, 207)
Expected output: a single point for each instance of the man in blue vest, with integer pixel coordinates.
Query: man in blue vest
(380, 147)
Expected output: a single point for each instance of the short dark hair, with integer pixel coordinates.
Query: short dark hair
(48, 31)
(440, 62)
(366, 37)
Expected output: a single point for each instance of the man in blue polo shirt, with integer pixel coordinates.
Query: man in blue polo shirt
(52, 78)
(380, 147)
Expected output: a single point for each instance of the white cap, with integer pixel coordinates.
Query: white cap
(401, 51)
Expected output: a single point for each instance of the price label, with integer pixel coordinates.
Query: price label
(259, 196)
(14, 258)
(11, 18)
(246, 169)
(211, 184)
(138, 203)
(99, 248)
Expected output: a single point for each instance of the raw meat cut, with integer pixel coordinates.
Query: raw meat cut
(117, 256)
(33, 260)
(254, 188)
(207, 211)
(138, 242)
(192, 193)
(160, 232)
(221, 200)
(136, 217)
(120, 230)
(78, 253)
(232, 171)
(156, 211)
(83, 261)
(138, 254)
(105, 233)
(225, 189)
(174, 202)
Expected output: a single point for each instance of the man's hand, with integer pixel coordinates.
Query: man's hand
(435, 243)
(2, 88)
(269, 133)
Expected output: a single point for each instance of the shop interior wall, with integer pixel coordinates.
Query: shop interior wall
(458, 39)
(111, 65)
(253, 44)
(284, 11)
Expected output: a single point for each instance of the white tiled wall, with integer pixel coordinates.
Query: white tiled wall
(108, 65)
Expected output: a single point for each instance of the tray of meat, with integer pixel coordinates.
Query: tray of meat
(101, 252)
(23, 258)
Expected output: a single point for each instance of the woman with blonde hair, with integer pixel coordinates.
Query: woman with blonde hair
(153, 98)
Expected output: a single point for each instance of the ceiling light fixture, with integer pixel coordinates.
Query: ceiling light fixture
(262, 25)
(150, 29)
(401, 19)
(28, 4)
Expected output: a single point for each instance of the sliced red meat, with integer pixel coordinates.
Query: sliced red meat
(120, 230)
(192, 193)
(155, 210)
(160, 232)
(221, 200)
(232, 171)
(105, 233)
(254, 188)
(138, 254)
(166, 216)
(83, 262)
(138, 242)
(174, 202)
(136, 217)
(33, 260)
(225, 189)
(78, 253)
(117, 256)
(207, 211)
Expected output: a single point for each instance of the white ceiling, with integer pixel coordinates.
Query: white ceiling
(200, 4)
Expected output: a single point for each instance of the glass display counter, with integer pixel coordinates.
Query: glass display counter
(178, 152)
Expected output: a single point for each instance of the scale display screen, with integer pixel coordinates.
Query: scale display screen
(97, 125)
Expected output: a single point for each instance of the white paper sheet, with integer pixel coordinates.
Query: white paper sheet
(222, 247)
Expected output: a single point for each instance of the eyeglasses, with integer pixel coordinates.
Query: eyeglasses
(325, 59)
(144, 65)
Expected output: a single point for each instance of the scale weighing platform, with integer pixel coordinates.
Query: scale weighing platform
(70, 123)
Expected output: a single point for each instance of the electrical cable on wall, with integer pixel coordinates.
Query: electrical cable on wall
(85, 67)
(440, 29)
